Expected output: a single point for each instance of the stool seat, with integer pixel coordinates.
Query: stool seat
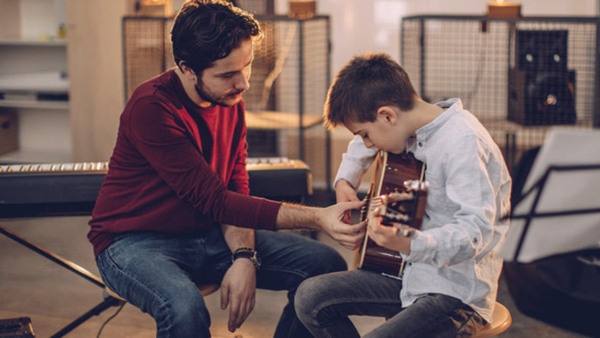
(501, 322)
(113, 294)
(205, 290)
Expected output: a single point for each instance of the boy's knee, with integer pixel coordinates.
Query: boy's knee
(308, 295)
(302, 300)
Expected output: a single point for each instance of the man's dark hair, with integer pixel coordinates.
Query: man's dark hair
(205, 31)
(367, 83)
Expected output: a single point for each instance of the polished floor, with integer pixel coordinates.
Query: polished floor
(32, 286)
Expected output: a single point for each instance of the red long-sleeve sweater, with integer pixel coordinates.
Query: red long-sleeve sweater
(176, 168)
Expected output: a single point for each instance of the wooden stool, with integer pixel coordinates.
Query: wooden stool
(501, 322)
(205, 290)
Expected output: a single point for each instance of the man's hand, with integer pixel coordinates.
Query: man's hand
(238, 289)
(331, 220)
(387, 236)
(344, 192)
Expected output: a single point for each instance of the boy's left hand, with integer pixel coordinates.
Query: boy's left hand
(387, 236)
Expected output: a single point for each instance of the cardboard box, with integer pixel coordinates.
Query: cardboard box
(9, 138)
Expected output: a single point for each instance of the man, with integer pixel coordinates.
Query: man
(177, 184)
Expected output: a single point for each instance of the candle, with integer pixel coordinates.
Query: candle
(503, 9)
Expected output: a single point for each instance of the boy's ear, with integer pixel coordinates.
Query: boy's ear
(387, 114)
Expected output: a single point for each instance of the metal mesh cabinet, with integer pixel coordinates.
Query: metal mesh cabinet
(521, 77)
(289, 82)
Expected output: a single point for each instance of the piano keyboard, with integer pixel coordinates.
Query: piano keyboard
(52, 189)
(54, 168)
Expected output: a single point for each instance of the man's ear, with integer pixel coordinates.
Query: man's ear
(387, 114)
(187, 71)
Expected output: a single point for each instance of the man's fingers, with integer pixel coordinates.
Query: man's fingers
(350, 241)
(234, 315)
(238, 316)
(224, 296)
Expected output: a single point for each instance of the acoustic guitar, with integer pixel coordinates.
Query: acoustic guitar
(399, 189)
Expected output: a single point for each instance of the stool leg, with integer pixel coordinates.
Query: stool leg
(108, 302)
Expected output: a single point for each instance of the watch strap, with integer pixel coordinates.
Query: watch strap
(248, 253)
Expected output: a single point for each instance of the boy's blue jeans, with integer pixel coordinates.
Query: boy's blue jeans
(323, 304)
(158, 273)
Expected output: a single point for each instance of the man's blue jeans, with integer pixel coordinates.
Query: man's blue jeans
(158, 273)
(323, 304)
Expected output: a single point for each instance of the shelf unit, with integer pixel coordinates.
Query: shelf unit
(33, 79)
(288, 87)
(545, 68)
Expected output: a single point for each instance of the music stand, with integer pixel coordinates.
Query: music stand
(559, 211)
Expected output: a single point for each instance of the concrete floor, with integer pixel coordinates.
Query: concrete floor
(32, 286)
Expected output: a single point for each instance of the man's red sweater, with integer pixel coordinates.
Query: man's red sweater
(176, 168)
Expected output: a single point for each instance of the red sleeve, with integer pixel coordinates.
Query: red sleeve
(162, 138)
(239, 176)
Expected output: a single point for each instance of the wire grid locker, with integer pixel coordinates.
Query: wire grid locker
(146, 49)
(484, 62)
(290, 74)
(257, 6)
(290, 77)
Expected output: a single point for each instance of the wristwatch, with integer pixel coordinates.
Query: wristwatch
(248, 253)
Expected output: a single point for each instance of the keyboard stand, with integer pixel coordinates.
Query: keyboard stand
(108, 301)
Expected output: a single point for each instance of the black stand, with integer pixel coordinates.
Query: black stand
(560, 289)
(537, 191)
(108, 301)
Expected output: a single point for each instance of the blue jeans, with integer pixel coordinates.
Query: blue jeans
(323, 304)
(158, 273)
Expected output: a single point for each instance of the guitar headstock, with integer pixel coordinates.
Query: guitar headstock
(405, 206)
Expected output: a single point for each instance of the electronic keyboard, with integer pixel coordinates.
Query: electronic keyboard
(55, 189)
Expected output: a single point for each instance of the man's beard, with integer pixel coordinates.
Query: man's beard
(212, 99)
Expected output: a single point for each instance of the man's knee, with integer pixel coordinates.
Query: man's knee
(183, 315)
(329, 260)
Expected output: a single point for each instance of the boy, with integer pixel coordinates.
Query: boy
(449, 284)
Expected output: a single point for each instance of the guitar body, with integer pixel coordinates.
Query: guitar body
(391, 171)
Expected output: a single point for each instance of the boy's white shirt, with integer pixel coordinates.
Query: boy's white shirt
(456, 253)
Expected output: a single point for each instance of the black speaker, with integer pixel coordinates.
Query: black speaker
(544, 50)
(541, 97)
(541, 87)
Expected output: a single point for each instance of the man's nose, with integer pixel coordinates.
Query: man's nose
(241, 82)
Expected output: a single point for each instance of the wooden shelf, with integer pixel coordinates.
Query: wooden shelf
(32, 42)
(58, 105)
(45, 82)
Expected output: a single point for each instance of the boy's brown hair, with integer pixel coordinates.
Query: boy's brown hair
(368, 82)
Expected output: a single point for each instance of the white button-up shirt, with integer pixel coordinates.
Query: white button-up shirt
(456, 251)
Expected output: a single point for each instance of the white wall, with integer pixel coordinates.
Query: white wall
(373, 25)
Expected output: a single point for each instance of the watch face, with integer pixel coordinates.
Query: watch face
(250, 254)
